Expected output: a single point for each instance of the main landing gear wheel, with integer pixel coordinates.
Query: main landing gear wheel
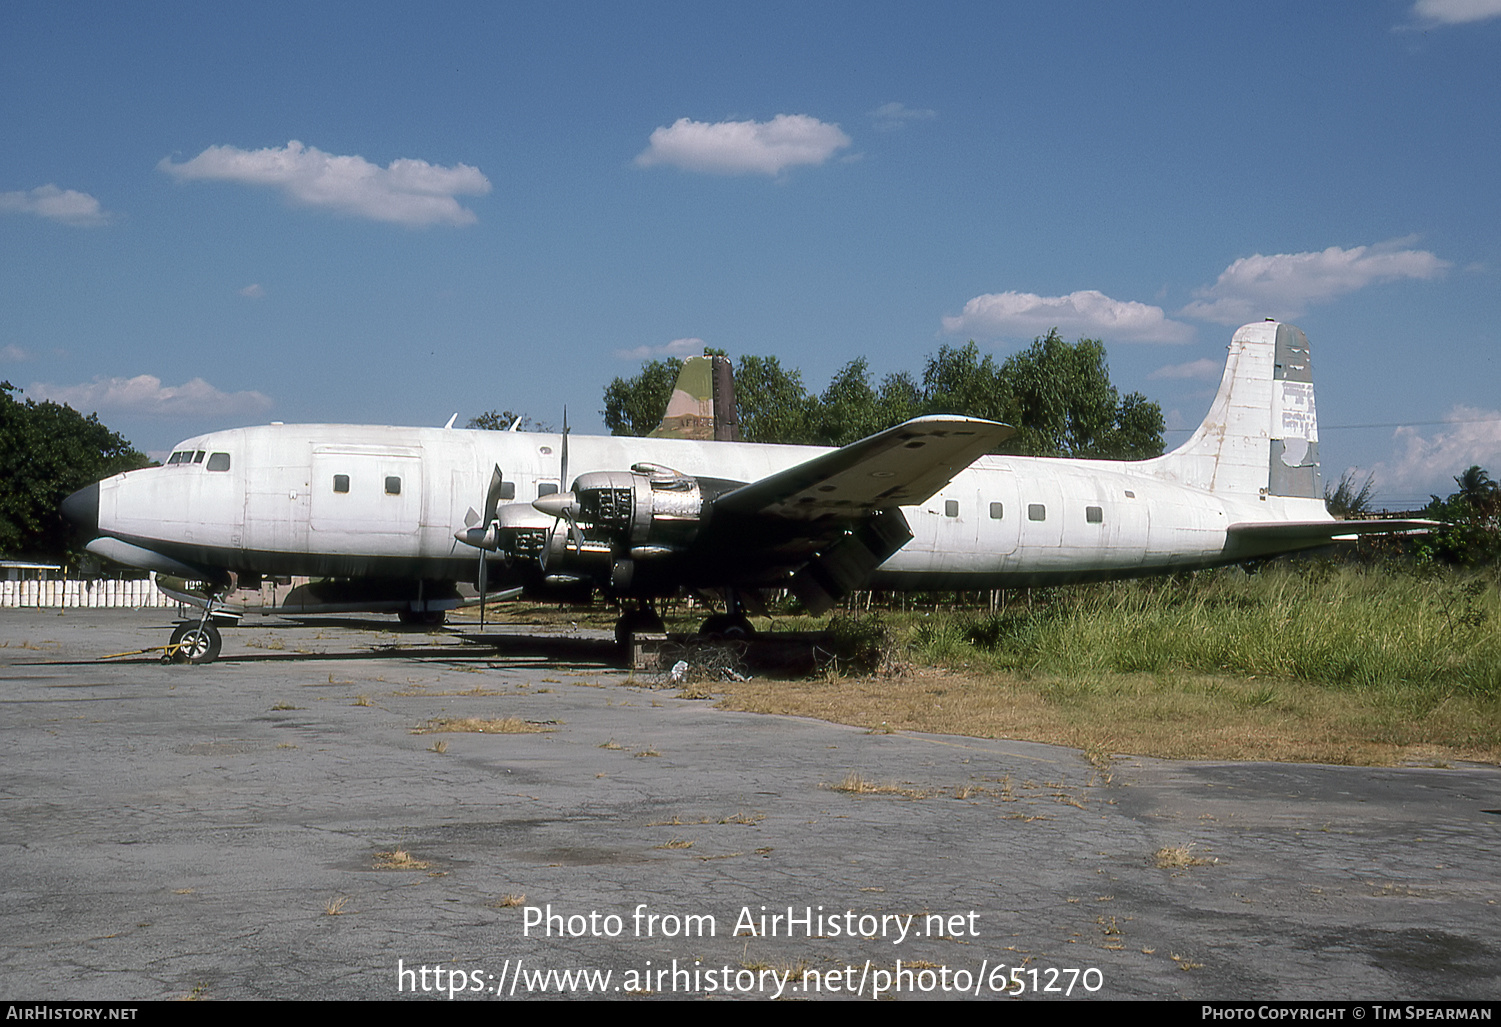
(728, 626)
(192, 643)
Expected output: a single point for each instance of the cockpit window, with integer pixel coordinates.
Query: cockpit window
(218, 462)
(198, 457)
(175, 458)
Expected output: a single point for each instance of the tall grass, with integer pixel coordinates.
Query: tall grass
(1420, 638)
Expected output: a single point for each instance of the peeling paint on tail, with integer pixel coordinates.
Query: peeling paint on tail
(1261, 436)
(1293, 468)
(702, 405)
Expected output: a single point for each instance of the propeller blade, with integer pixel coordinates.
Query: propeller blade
(483, 575)
(492, 495)
(563, 475)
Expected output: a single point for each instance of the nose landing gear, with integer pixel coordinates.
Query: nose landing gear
(200, 642)
(194, 643)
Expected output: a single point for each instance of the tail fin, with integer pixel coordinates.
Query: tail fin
(702, 405)
(1261, 436)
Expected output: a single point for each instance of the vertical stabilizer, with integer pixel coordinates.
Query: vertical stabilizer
(1261, 436)
(702, 405)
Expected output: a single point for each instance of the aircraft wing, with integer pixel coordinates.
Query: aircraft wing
(900, 466)
(1323, 531)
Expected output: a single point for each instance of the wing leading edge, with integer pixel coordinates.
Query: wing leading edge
(900, 466)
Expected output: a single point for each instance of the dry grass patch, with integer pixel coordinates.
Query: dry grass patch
(744, 819)
(478, 726)
(399, 859)
(1175, 857)
(1176, 716)
(510, 900)
(335, 906)
(855, 784)
(676, 843)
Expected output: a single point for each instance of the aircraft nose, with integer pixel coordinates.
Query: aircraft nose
(82, 507)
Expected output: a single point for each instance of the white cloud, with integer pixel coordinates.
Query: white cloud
(1285, 285)
(1206, 370)
(1455, 12)
(48, 201)
(145, 394)
(1427, 463)
(1086, 313)
(744, 147)
(14, 353)
(890, 116)
(408, 192)
(690, 347)
(253, 291)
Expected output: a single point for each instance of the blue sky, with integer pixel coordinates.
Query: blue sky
(214, 215)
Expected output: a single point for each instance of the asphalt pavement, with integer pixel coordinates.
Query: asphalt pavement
(270, 826)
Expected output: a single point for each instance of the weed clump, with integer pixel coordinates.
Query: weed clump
(860, 645)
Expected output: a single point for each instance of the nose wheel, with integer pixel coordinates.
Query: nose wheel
(194, 643)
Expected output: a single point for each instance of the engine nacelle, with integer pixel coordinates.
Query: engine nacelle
(651, 510)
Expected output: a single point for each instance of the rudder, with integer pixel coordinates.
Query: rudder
(702, 405)
(1261, 434)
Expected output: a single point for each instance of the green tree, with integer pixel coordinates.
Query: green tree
(1472, 522)
(1063, 404)
(851, 408)
(960, 381)
(502, 420)
(1349, 498)
(1058, 395)
(48, 452)
(774, 406)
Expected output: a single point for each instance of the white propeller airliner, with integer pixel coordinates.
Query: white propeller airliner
(393, 518)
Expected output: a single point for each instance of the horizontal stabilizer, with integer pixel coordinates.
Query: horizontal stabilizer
(1316, 531)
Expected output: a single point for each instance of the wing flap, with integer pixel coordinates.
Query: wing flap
(900, 466)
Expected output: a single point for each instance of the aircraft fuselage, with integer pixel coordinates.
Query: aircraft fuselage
(384, 502)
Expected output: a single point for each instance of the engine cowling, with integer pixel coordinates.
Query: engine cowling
(652, 509)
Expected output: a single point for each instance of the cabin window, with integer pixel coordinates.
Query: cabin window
(1094, 514)
(997, 511)
(218, 462)
(393, 485)
(1037, 512)
(547, 488)
(951, 508)
(1130, 494)
(341, 483)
